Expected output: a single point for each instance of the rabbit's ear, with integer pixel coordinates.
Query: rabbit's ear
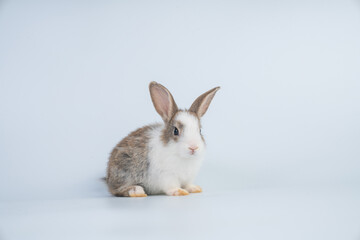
(201, 104)
(163, 101)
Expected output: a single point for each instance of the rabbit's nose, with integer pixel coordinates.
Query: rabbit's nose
(193, 148)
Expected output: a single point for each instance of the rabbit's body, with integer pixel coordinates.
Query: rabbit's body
(160, 158)
(129, 163)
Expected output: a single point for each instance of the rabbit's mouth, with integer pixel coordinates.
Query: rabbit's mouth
(193, 154)
(193, 149)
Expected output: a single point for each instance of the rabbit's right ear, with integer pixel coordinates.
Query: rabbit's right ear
(163, 101)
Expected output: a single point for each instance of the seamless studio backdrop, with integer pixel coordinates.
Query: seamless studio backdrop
(74, 81)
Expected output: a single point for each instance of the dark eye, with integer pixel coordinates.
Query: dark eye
(176, 131)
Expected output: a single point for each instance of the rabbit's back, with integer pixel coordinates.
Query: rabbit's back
(128, 162)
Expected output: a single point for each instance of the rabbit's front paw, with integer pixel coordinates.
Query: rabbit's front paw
(177, 192)
(193, 188)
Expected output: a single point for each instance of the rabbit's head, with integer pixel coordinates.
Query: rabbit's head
(182, 131)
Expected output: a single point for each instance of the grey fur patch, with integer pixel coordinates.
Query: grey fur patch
(168, 131)
(128, 163)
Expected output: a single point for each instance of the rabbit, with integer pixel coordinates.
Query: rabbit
(161, 158)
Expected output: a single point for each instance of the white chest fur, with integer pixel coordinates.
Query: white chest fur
(167, 169)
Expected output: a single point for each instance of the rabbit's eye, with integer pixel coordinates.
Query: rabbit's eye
(176, 131)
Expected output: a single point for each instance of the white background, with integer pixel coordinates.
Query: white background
(283, 129)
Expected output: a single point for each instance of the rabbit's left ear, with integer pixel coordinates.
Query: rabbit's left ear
(201, 104)
(163, 101)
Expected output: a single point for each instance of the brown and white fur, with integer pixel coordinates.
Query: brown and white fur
(154, 159)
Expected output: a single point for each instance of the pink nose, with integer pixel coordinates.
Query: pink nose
(193, 148)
